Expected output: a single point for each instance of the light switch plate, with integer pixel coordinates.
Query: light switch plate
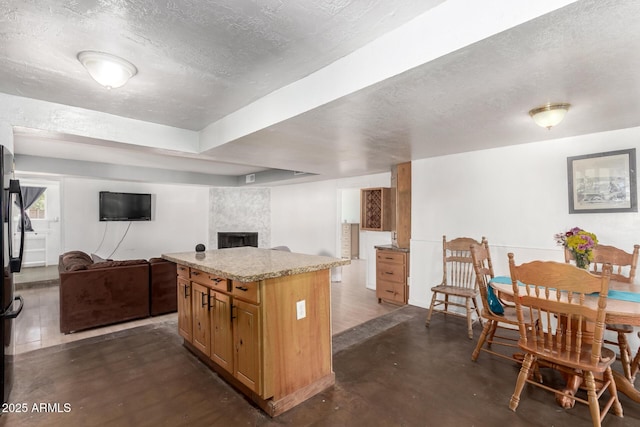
(301, 310)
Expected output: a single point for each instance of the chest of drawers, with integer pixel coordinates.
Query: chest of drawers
(392, 268)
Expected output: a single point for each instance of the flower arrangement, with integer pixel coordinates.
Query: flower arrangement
(580, 243)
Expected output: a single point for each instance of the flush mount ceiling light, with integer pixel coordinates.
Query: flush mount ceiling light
(549, 115)
(109, 70)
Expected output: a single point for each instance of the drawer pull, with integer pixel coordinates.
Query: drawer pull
(195, 273)
(391, 292)
(217, 280)
(204, 297)
(388, 257)
(242, 288)
(389, 272)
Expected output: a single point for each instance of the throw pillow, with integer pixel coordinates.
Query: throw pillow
(97, 258)
(75, 254)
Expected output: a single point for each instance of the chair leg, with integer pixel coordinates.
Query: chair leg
(433, 302)
(625, 354)
(477, 309)
(594, 406)
(522, 379)
(635, 366)
(492, 333)
(469, 318)
(487, 327)
(613, 392)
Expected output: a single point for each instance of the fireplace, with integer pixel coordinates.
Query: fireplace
(237, 239)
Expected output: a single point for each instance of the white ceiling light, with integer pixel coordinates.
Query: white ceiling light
(549, 115)
(109, 70)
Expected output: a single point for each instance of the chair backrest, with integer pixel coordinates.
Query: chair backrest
(457, 263)
(483, 268)
(623, 264)
(556, 291)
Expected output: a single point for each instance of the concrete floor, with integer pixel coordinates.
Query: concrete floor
(391, 371)
(38, 326)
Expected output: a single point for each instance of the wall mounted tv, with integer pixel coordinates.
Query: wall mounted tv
(125, 206)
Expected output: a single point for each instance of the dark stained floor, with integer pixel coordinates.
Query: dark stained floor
(391, 371)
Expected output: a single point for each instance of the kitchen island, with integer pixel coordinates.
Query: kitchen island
(261, 319)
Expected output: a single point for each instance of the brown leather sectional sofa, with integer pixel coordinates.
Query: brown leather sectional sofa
(101, 293)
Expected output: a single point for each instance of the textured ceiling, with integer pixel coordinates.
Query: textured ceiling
(203, 62)
(197, 60)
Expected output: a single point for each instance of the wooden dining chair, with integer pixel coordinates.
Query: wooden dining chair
(635, 364)
(494, 322)
(623, 266)
(458, 281)
(568, 332)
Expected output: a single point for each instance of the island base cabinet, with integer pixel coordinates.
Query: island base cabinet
(185, 319)
(246, 340)
(201, 321)
(270, 339)
(296, 332)
(221, 332)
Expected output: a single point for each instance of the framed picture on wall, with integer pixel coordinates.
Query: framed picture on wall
(603, 182)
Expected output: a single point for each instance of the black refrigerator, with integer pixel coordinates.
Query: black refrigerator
(10, 304)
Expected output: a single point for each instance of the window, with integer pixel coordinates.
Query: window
(38, 209)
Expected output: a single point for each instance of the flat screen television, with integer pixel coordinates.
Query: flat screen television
(125, 206)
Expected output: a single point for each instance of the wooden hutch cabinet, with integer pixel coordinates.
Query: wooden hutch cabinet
(392, 261)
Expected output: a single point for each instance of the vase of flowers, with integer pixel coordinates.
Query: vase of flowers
(580, 243)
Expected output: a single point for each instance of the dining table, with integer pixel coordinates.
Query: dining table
(623, 307)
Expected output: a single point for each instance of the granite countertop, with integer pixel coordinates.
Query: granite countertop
(391, 248)
(249, 264)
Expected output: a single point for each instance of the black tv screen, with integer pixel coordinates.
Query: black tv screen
(125, 206)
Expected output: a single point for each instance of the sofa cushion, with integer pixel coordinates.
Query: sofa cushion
(107, 264)
(75, 264)
(75, 255)
(157, 260)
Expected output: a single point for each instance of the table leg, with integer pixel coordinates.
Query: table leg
(574, 382)
(626, 387)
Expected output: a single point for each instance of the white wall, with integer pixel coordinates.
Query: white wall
(304, 217)
(350, 208)
(179, 219)
(307, 217)
(515, 196)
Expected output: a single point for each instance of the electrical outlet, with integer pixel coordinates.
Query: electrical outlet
(301, 310)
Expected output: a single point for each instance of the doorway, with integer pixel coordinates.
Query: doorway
(42, 239)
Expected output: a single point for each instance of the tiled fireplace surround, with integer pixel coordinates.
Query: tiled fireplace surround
(240, 210)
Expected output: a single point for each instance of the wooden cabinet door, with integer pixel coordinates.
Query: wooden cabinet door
(185, 321)
(221, 332)
(246, 341)
(201, 318)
